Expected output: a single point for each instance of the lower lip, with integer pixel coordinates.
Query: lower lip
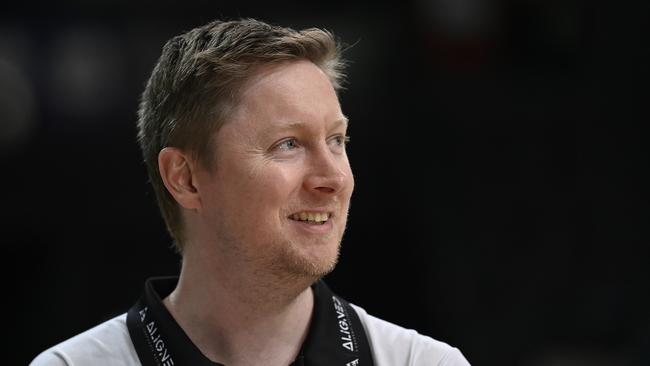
(314, 229)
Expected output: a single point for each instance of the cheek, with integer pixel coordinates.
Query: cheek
(271, 184)
(349, 181)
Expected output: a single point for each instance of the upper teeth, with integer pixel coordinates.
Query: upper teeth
(311, 216)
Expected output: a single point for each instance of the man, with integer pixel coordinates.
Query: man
(244, 140)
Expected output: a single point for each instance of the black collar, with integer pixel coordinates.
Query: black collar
(336, 335)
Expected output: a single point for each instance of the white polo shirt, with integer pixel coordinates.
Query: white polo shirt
(340, 334)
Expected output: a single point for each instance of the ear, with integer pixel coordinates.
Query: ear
(178, 175)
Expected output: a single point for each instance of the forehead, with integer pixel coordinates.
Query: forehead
(283, 74)
(287, 94)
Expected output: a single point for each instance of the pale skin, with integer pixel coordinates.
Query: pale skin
(244, 295)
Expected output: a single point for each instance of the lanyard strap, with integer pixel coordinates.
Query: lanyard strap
(336, 336)
(147, 340)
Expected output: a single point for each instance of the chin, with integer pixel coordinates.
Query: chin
(312, 264)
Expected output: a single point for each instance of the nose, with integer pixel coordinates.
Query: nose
(327, 173)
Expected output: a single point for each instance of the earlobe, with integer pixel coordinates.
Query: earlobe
(176, 171)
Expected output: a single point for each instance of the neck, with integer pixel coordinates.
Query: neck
(241, 317)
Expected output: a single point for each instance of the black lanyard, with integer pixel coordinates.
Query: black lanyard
(336, 335)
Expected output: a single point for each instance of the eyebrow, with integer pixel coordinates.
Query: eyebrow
(339, 122)
(284, 126)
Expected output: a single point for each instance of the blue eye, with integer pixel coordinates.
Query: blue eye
(340, 140)
(288, 144)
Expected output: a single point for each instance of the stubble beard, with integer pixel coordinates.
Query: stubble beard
(283, 262)
(298, 265)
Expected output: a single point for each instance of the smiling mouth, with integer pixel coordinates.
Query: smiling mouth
(312, 218)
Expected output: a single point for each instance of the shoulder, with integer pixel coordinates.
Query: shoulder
(108, 343)
(394, 345)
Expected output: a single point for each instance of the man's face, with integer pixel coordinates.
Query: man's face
(278, 194)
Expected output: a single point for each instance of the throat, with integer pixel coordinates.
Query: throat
(235, 332)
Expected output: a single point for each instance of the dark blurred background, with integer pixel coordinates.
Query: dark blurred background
(499, 149)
